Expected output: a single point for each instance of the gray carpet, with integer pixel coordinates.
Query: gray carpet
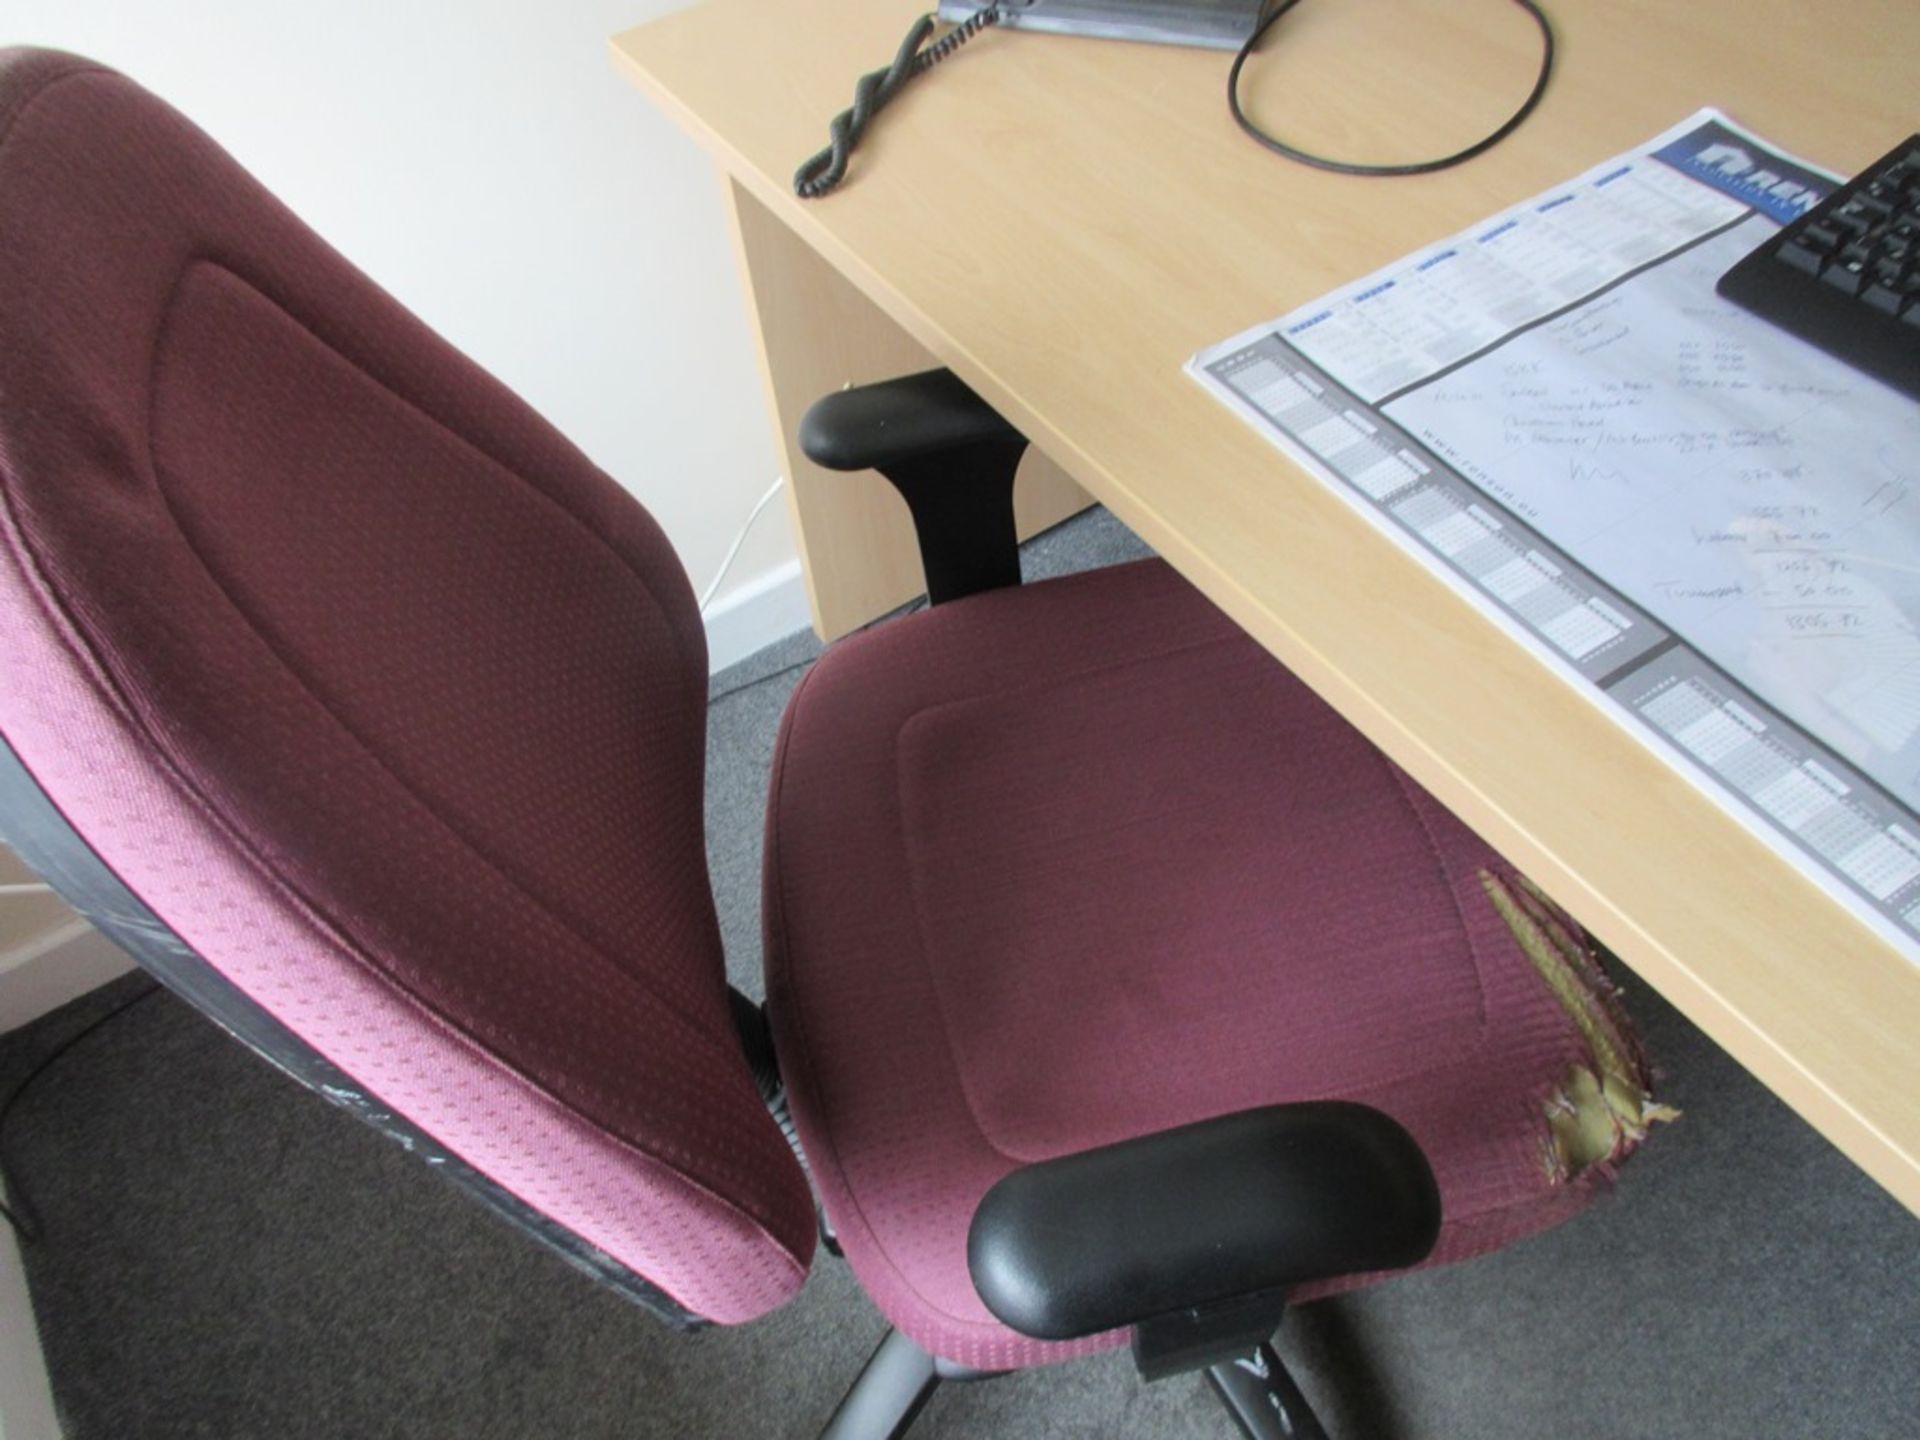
(229, 1256)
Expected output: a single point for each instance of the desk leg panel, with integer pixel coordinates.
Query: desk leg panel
(817, 332)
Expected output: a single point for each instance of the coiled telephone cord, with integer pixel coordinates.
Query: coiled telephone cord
(873, 90)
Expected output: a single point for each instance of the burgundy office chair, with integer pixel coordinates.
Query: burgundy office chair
(1117, 988)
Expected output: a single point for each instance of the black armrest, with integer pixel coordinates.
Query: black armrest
(951, 457)
(1250, 1202)
(871, 427)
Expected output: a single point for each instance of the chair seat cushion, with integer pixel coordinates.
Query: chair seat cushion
(1054, 867)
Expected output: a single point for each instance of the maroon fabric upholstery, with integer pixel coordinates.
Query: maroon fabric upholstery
(392, 707)
(1052, 868)
(371, 686)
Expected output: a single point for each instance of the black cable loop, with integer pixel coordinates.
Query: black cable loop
(1417, 167)
(872, 92)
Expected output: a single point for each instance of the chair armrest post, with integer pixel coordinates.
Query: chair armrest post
(962, 507)
(952, 458)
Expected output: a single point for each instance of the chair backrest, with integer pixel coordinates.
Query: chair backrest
(385, 702)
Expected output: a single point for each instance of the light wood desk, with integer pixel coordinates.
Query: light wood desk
(1065, 221)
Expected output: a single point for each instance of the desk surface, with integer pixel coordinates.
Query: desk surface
(1066, 221)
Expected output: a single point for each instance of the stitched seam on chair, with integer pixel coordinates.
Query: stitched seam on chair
(464, 441)
(796, 1016)
(81, 69)
(875, 1247)
(1401, 782)
(426, 807)
(914, 872)
(297, 905)
(1444, 876)
(99, 678)
(794, 1010)
(878, 1247)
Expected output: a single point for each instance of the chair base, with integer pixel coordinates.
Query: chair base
(1262, 1397)
(900, 1377)
(891, 1391)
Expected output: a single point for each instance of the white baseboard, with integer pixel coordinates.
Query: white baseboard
(38, 973)
(46, 971)
(757, 614)
(26, 1401)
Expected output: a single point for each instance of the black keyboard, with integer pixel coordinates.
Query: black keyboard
(1846, 275)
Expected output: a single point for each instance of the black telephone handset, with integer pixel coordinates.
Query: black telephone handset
(872, 91)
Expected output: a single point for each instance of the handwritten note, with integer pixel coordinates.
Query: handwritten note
(1711, 527)
(1757, 495)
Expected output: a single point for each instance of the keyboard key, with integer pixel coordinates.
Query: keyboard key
(1882, 298)
(1801, 257)
(1844, 276)
(1826, 239)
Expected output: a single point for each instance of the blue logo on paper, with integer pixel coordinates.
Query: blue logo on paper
(1741, 170)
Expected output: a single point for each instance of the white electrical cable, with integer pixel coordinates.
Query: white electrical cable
(727, 564)
(34, 888)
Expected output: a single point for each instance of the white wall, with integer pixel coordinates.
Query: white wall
(484, 162)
